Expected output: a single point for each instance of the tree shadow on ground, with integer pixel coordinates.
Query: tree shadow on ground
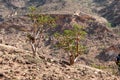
(107, 56)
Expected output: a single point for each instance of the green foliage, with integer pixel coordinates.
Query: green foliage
(70, 40)
(32, 8)
(109, 24)
(99, 66)
(40, 19)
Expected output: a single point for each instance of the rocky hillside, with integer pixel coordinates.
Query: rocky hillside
(102, 41)
(112, 12)
(106, 8)
(17, 62)
(9, 7)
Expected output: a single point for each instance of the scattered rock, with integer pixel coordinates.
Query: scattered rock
(1, 75)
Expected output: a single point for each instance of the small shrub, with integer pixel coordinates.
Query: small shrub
(70, 41)
(98, 66)
(109, 24)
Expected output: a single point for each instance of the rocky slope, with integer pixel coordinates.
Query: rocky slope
(112, 12)
(20, 65)
(17, 62)
(16, 59)
(60, 6)
(106, 8)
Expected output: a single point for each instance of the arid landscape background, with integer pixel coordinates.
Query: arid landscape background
(101, 19)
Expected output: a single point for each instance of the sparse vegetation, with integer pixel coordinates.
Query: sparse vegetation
(98, 66)
(109, 24)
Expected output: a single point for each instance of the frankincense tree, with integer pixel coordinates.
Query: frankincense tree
(70, 41)
(40, 23)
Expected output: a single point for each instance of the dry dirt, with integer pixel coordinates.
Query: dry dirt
(17, 64)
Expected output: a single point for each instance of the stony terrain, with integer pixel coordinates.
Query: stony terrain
(102, 41)
(112, 17)
(109, 9)
(17, 62)
(20, 65)
(9, 7)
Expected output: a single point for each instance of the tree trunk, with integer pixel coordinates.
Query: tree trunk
(34, 49)
(72, 57)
